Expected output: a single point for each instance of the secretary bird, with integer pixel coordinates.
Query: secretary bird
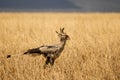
(50, 52)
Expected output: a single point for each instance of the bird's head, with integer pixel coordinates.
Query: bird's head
(63, 36)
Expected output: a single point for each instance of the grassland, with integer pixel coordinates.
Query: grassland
(93, 53)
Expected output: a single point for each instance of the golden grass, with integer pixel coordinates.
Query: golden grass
(93, 53)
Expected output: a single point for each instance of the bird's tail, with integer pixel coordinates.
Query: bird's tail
(30, 51)
(9, 56)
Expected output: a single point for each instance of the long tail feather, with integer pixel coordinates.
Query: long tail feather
(9, 56)
(30, 51)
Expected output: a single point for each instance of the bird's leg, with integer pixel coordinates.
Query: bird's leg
(52, 60)
(46, 62)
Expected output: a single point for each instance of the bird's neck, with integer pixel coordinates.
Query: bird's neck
(63, 43)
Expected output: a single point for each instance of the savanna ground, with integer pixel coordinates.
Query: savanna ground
(93, 53)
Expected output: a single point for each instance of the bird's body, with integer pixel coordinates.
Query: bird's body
(51, 49)
(50, 52)
(45, 50)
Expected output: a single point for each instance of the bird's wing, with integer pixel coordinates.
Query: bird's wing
(48, 48)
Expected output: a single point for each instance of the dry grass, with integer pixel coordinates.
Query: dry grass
(93, 53)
